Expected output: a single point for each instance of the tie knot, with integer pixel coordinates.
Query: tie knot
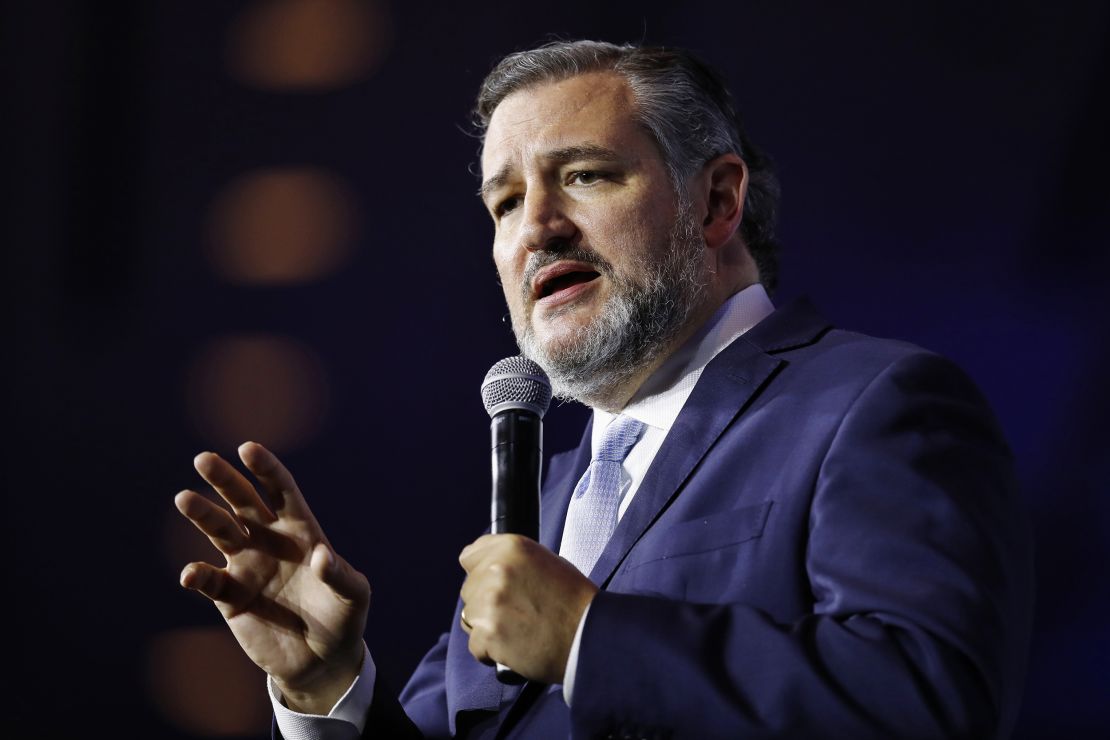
(618, 439)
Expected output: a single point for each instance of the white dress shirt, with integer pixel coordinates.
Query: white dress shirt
(657, 404)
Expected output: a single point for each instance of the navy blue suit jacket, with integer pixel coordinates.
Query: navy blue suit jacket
(828, 544)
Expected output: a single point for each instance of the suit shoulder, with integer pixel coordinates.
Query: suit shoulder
(850, 352)
(851, 346)
(843, 360)
(799, 333)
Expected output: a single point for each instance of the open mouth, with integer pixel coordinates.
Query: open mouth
(564, 281)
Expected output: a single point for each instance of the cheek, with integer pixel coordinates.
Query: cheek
(507, 267)
(510, 271)
(628, 228)
(629, 240)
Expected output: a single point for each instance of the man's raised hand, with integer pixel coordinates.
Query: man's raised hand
(297, 609)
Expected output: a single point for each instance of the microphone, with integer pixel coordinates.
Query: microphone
(516, 394)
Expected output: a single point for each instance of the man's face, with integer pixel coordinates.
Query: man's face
(599, 264)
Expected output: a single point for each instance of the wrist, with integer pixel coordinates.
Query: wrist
(319, 694)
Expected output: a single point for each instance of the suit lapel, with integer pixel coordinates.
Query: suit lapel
(725, 388)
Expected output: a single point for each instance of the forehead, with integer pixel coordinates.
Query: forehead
(596, 107)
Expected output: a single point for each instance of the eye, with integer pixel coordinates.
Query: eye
(585, 177)
(505, 206)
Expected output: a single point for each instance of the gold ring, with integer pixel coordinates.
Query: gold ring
(462, 618)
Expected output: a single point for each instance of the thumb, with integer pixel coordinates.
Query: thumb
(347, 583)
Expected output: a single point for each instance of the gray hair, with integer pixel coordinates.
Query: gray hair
(681, 101)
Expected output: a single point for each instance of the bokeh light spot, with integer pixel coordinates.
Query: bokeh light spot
(203, 682)
(268, 389)
(282, 226)
(308, 44)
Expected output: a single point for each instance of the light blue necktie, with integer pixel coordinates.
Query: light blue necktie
(592, 515)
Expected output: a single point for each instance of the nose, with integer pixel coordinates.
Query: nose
(545, 224)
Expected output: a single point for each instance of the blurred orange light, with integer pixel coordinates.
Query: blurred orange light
(268, 389)
(281, 226)
(308, 44)
(202, 681)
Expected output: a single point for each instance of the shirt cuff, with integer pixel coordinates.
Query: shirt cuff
(347, 719)
(572, 659)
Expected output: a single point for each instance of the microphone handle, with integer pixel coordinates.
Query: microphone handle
(516, 438)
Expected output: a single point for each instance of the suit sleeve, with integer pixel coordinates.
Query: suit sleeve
(421, 711)
(386, 719)
(917, 559)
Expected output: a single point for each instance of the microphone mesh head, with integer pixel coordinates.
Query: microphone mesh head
(516, 383)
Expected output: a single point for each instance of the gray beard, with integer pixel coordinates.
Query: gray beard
(636, 324)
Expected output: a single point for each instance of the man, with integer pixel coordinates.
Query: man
(772, 528)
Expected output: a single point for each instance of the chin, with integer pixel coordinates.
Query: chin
(562, 326)
(561, 341)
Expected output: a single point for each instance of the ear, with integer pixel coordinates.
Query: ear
(724, 182)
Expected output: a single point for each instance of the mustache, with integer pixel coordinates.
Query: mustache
(543, 258)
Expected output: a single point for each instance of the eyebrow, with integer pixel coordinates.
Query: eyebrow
(563, 155)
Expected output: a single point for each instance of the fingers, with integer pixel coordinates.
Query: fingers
(477, 647)
(467, 627)
(213, 582)
(285, 496)
(479, 549)
(484, 591)
(347, 583)
(523, 604)
(478, 644)
(236, 490)
(222, 529)
(488, 562)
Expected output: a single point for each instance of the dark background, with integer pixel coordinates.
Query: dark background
(945, 172)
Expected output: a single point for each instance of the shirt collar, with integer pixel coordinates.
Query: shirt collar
(663, 395)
